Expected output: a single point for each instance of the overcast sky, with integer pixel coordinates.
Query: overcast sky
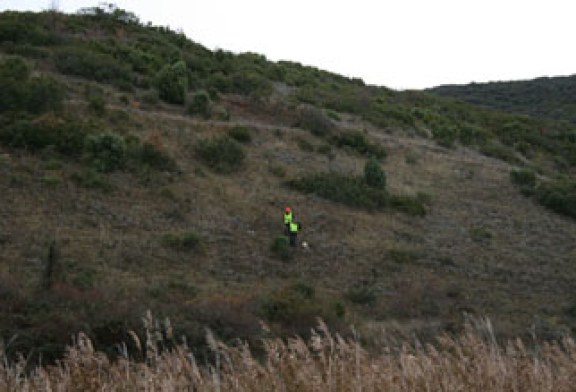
(395, 43)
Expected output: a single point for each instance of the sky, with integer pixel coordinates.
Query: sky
(400, 44)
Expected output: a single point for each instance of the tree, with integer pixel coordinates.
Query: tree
(173, 83)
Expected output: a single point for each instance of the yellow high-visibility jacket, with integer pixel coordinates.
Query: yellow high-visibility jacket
(294, 227)
(287, 218)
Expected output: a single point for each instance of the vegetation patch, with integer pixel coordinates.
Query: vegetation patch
(355, 192)
(281, 249)
(359, 143)
(241, 134)
(559, 196)
(222, 154)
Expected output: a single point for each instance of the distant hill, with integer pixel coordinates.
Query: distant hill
(140, 170)
(549, 97)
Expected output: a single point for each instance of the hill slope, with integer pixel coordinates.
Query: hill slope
(154, 175)
(549, 97)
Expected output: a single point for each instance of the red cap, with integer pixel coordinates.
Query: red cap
(288, 209)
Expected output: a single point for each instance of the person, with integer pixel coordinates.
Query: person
(294, 227)
(288, 217)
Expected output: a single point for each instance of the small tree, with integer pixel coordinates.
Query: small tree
(200, 104)
(374, 175)
(173, 83)
(107, 151)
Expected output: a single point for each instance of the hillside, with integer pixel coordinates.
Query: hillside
(548, 97)
(140, 171)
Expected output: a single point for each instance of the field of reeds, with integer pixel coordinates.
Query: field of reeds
(473, 361)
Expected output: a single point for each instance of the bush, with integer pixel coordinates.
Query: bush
(559, 196)
(241, 134)
(222, 154)
(91, 65)
(524, 178)
(66, 136)
(354, 192)
(172, 83)
(357, 141)
(281, 249)
(361, 295)
(314, 120)
(106, 151)
(155, 158)
(19, 92)
(201, 104)
(374, 175)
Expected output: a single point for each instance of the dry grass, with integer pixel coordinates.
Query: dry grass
(326, 362)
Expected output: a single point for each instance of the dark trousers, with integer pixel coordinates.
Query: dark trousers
(292, 237)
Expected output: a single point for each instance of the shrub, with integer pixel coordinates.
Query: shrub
(154, 157)
(357, 141)
(499, 151)
(361, 295)
(222, 154)
(524, 178)
(374, 175)
(106, 151)
(91, 65)
(173, 83)
(354, 192)
(201, 104)
(281, 249)
(66, 136)
(559, 196)
(19, 92)
(314, 120)
(240, 134)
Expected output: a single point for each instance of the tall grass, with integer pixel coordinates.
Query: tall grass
(325, 362)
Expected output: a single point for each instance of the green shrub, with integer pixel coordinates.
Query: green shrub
(499, 151)
(91, 65)
(106, 151)
(295, 305)
(222, 154)
(350, 191)
(281, 249)
(97, 104)
(559, 196)
(357, 141)
(445, 135)
(172, 83)
(187, 241)
(66, 136)
(361, 295)
(374, 175)
(201, 104)
(241, 134)
(19, 92)
(155, 158)
(524, 178)
(314, 120)
(354, 192)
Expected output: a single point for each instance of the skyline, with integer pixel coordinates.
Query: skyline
(412, 44)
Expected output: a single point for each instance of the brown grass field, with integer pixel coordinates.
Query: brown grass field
(326, 362)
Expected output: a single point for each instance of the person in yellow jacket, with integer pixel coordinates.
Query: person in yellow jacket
(288, 217)
(293, 232)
